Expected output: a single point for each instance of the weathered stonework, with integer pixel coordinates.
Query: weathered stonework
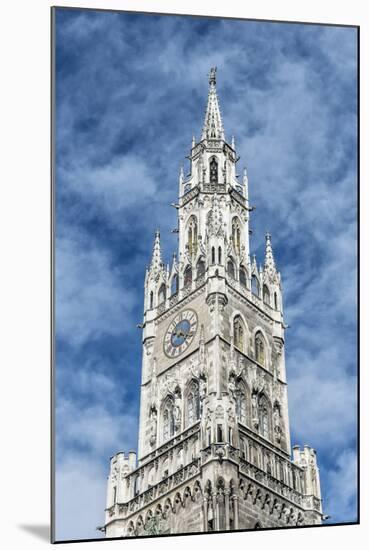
(214, 444)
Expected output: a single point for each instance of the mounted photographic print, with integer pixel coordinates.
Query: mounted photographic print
(205, 186)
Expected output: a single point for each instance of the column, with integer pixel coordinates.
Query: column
(215, 513)
(226, 504)
(205, 508)
(235, 509)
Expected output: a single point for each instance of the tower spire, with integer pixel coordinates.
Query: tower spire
(213, 126)
(269, 263)
(156, 261)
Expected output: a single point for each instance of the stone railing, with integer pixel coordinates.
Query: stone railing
(156, 491)
(161, 308)
(214, 187)
(186, 290)
(173, 442)
(268, 480)
(173, 300)
(200, 280)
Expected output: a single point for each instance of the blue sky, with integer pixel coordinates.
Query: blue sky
(130, 92)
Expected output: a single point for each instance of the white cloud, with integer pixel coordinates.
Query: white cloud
(91, 299)
(341, 492)
(93, 427)
(80, 496)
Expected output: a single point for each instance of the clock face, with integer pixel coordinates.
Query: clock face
(180, 333)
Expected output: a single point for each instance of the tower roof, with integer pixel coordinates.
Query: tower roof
(213, 126)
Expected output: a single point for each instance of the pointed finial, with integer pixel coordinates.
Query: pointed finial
(254, 264)
(233, 144)
(156, 261)
(245, 179)
(193, 142)
(213, 76)
(269, 263)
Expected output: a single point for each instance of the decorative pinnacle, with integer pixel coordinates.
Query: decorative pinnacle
(156, 261)
(213, 127)
(269, 263)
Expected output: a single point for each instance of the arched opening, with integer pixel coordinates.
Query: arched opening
(266, 295)
(192, 236)
(174, 288)
(220, 255)
(241, 404)
(136, 485)
(275, 301)
(236, 234)
(243, 277)
(151, 477)
(230, 269)
(213, 170)
(151, 299)
(212, 255)
(260, 348)
(200, 268)
(255, 286)
(238, 333)
(162, 294)
(168, 419)
(193, 403)
(263, 417)
(187, 280)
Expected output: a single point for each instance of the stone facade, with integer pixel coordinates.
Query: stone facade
(214, 444)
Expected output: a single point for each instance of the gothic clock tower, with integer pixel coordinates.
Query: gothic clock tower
(214, 444)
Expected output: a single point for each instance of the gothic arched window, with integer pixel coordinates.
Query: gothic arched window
(266, 295)
(200, 270)
(255, 286)
(193, 403)
(168, 419)
(151, 299)
(243, 277)
(162, 294)
(263, 416)
(236, 234)
(174, 287)
(275, 301)
(213, 170)
(212, 255)
(192, 236)
(238, 333)
(187, 276)
(260, 348)
(230, 269)
(220, 255)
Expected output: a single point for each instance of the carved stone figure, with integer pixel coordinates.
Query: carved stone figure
(153, 426)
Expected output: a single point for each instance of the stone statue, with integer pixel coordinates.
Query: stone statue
(153, 425)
